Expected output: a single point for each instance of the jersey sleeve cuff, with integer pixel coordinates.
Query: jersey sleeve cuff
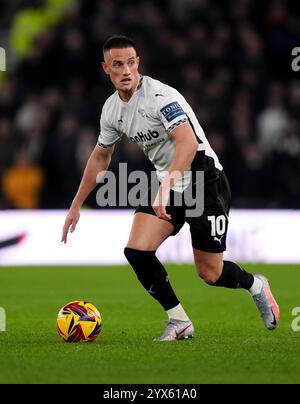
(106, 146)
(176, 124)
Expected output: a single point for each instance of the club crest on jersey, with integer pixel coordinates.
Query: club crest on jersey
(172, 111)
(144, 137)
(142, 112)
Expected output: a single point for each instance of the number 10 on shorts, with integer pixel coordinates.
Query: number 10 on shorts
(218, 225)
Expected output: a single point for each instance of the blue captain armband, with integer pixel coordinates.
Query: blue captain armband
(172, 111)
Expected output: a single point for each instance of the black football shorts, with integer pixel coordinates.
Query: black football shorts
(209, 230)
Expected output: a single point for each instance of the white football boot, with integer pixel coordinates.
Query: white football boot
(176, 330)
(267, 305)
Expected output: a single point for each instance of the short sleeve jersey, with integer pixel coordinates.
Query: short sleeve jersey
(148, 119)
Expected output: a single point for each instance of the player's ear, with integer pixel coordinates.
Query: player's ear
(138, 61)
(104, 67)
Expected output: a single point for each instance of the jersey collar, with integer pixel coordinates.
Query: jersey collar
(140, 82)
(138, 87)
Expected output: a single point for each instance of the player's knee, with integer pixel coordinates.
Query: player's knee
(141, 244)
(132, 254)
(209, 272)
(146, 266)
(137, 258)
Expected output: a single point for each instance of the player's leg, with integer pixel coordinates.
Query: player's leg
(209, 242)
(147, 234)
(216, 272)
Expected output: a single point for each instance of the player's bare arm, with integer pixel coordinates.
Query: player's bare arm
(98, 162)
(185, 151)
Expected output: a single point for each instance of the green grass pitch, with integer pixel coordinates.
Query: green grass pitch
(231, 344)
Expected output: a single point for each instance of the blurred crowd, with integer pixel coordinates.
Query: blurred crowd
(231, 60)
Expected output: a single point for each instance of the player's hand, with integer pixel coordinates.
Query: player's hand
(70, 222)
(160, 203)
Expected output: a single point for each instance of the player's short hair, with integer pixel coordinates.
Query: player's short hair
(118, 42)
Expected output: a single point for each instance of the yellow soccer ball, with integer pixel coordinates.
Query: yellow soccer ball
(79, 321)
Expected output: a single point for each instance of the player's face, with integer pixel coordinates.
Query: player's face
(122, 67)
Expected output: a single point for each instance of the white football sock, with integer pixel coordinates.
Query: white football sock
(177, 313)
(256, 287)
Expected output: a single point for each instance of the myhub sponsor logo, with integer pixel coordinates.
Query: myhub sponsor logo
(145, 137)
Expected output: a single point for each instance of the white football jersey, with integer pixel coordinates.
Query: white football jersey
(148, 118)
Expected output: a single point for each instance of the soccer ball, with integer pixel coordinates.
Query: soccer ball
(79, 322)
